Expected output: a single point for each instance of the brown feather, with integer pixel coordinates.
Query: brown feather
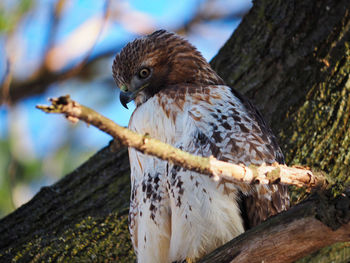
(184, 92)
(173, 60)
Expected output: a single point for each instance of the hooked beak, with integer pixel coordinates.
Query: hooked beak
(126, 97)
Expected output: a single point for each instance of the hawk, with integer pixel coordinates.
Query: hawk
(176, 214)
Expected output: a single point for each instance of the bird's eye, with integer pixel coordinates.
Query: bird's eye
(144, 73)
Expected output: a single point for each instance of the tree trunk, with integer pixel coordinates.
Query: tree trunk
(290, 57)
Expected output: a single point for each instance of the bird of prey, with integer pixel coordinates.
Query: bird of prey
(176, 214)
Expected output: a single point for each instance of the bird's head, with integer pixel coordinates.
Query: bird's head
(148, 64)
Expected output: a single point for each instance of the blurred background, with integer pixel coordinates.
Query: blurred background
(50, 48)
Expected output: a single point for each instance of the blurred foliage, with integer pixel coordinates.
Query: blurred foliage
(6, 204)
(9, 17)
(37, 35)
(21, 178)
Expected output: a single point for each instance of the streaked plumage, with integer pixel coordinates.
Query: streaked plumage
(174, 213)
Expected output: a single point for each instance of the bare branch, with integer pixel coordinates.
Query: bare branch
(6, 82)
(55, 16)
(39, 84)
(77, 68)
(218, 170)
(206, 13)
(291, 235)
(44, 76)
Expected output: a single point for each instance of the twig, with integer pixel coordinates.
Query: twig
(218, 170)
(56, 12)
(6, 82)
(77, 68)
(44, 76)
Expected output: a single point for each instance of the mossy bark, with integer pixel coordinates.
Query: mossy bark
(82, 218)
(290, 57)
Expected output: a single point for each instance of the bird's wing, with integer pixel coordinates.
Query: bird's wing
(222, 123)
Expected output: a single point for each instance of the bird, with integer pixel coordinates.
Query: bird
(176, 214)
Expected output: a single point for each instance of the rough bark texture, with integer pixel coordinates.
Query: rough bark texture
(82, 218)
(290, 235)
(290, 57)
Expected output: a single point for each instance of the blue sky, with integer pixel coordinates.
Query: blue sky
(166, 14)
(34, 135)
(46, 132)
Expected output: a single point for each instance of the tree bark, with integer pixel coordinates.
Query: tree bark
(290, 235)
(81, 218)
(291, 58)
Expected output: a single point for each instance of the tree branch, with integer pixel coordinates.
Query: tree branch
(293, 234)
(218, 170)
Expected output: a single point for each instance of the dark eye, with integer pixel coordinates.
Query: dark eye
(144, 73)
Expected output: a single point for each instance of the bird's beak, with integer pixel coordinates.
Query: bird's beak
(126, 97)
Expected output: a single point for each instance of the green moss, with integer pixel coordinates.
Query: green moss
(317, 135)
(338, 253)
(89, 240)
(273, 175)
(92, 228)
